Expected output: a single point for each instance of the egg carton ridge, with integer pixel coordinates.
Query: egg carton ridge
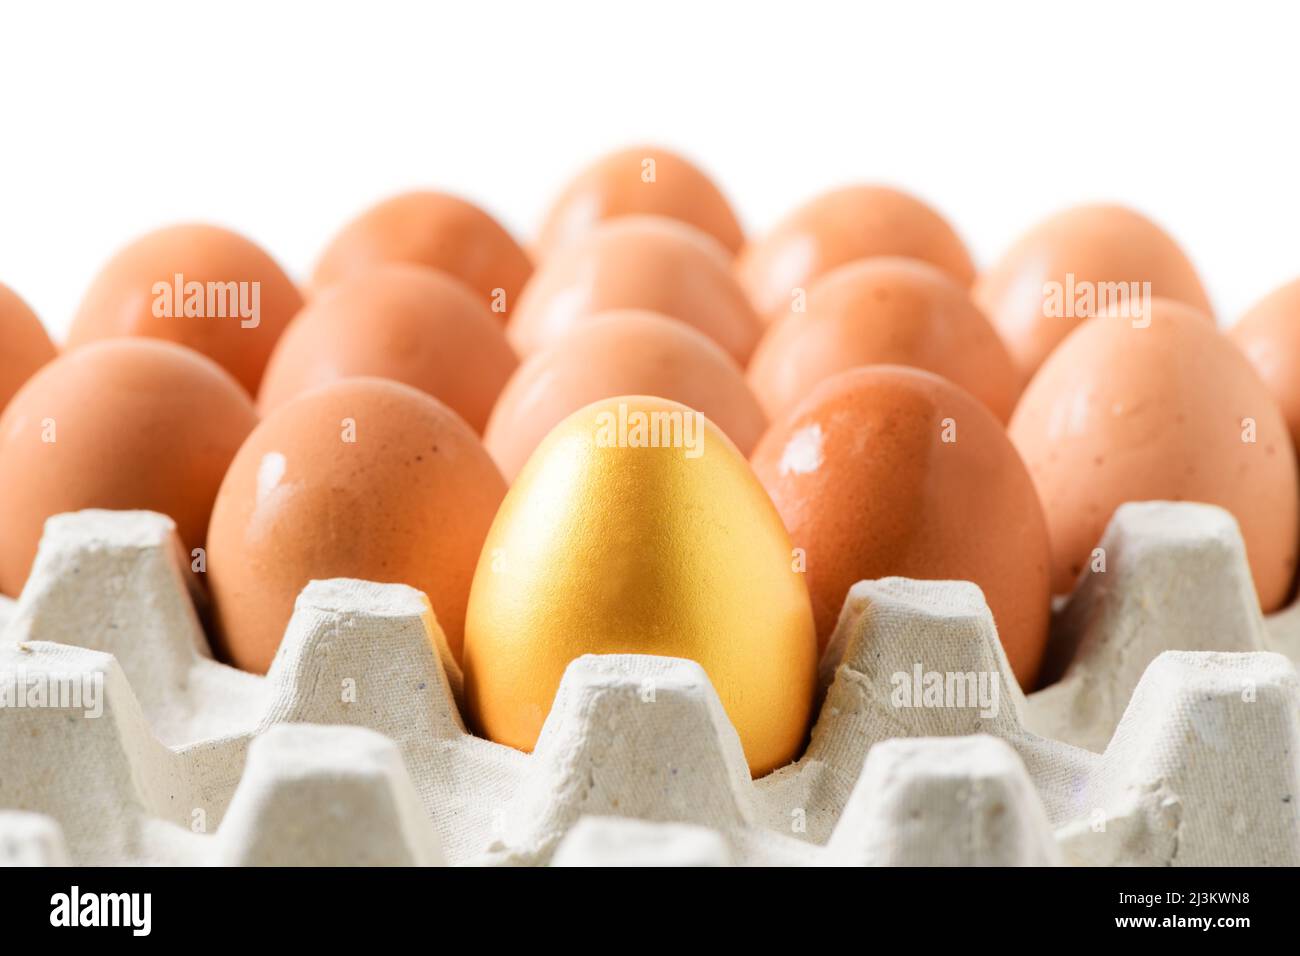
(168, 772)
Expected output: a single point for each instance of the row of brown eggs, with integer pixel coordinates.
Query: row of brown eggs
(923, 422)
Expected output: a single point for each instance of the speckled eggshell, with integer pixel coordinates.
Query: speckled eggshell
(1165, 412)
(647, 180)
(1269, 335)
(435, 230)
(397, 321)
(621, 353)
(637, 262)
(364, 478)
(125, 295)
(869, 485)
(883, 311)
(855, 222)
(1094, 244)
(129, 423)
(26, 345)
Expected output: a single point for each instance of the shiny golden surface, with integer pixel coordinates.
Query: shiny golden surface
(607, 546)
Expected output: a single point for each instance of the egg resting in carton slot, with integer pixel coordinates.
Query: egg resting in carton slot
(1172, 736)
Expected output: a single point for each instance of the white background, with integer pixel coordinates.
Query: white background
(283, 120)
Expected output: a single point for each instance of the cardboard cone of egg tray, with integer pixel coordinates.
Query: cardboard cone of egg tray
(1173, 736)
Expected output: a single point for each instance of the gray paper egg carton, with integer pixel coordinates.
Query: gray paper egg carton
(1172, 738)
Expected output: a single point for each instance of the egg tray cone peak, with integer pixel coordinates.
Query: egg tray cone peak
(1172, 737)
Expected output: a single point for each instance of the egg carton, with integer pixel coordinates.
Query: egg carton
(1172, 736)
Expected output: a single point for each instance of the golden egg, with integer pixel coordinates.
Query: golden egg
(637, 527)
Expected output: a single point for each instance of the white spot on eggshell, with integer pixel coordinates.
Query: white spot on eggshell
(269, 473)
(803, 452)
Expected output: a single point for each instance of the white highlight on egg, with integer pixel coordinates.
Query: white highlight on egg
(1070, 415)
(269, 473)
(793, 264)
(803, 452)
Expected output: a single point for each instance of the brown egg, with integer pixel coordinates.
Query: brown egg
(883, 311)
(1054, 276)
(130, 423)
(1269, 334)
(397, 321)
(364, 478)
(1169, 410)
(637, 262)
(856, 222)
(893, 471)
(435, 230)
(26, 345)
(620, 353)
(196, 285)
(640, 180)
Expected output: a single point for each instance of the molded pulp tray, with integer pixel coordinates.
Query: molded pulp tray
(1173, 736)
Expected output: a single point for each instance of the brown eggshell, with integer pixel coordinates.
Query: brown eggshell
(123, 298)
(408, 500)
(1158, 413)
(1269, 335)
(637, 262)
(856, 222)
(401, 322)
(1095, 244)
(26, 345)
(883, 312)
(435, 230)
(621, 353)
(131, 423)
(868, 486)
(641, 180)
